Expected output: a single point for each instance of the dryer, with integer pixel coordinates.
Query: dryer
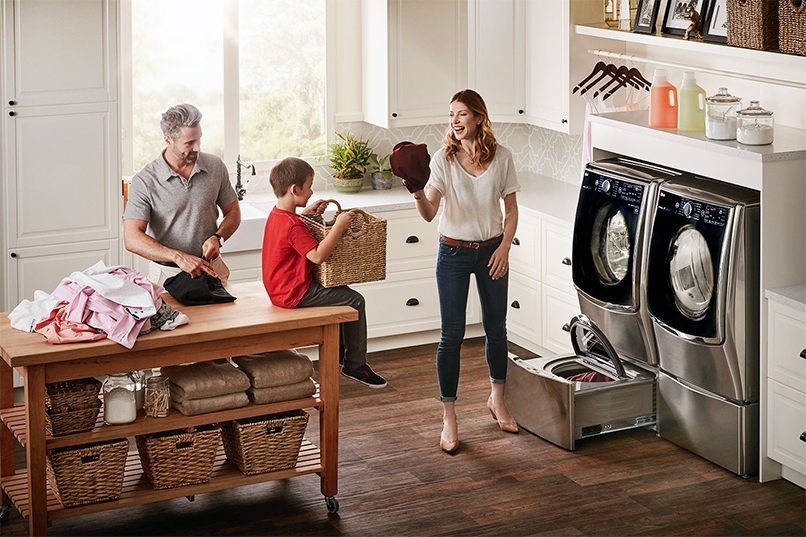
(615, 202)
(703, 298)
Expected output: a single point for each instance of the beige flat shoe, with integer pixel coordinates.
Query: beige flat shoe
(448, 446)
(506, 426)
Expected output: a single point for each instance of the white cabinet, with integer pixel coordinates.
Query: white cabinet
(414, 57)
(60, 152)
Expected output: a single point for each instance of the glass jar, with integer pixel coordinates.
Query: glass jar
(720, 115)
(120, 399)
(755, 125)
(158, 396)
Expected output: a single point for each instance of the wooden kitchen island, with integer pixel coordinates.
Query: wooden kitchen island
(248, 325)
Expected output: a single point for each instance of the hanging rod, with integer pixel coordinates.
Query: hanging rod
(754, 78)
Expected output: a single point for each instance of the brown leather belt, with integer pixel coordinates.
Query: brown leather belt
(473, 245)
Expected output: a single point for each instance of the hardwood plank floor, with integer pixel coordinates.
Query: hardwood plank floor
(394, 480)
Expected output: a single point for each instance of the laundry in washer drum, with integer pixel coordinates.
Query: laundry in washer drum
(591, 392)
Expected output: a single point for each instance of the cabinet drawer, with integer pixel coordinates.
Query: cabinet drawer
(523, 314)
(524, 256)
(787, 340)
(558, 309)
(557, 257)
(786, 422)
(411, 242)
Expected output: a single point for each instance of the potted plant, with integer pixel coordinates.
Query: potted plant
(381, 172)
(349, 157)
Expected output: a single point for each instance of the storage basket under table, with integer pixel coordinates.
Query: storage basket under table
(360, 254)
(792, 26)
(71, 406)
(265, 443)
(753, 24)
(177, 458)
(90, 473)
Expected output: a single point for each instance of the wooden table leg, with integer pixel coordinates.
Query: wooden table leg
(6, 438)
(35, 448)
(329, 415)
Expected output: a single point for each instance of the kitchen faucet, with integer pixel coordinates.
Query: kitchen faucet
(239, 188)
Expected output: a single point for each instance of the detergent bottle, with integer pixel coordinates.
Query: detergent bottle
(692, 105)
(662, 102)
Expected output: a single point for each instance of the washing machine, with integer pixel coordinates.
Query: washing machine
(703, 298)
(616, 199)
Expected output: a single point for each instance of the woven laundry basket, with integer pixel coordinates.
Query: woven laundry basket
(76, 420)
(360, 254)
(71, 406)
(753, 24)
(177, 458)
(265, 443)
(792, 26)
(92, 473)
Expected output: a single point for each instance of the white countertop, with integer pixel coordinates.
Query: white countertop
(544, 197)
(789, 144)
(793, 296)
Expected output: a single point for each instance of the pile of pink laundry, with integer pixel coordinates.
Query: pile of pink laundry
(100, 302)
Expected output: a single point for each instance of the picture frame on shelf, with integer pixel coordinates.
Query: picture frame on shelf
(676, 20)
(646, 16)
(715, 28)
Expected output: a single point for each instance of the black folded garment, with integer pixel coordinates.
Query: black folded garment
(191, 291)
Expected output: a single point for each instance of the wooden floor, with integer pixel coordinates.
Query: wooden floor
(394, 479)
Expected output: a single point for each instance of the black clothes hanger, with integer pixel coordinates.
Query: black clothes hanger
(610, 70)
(620, 77)
(598, 68)
(634, 78)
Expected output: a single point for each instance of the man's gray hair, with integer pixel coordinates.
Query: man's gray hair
(176, 117)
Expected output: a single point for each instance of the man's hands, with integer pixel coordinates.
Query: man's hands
(210, 248)
(195, 266)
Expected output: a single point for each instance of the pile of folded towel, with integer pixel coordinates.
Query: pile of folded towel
(277, 376)
(207, 387)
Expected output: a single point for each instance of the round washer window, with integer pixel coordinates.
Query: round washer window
(691, 273)
(610, 245)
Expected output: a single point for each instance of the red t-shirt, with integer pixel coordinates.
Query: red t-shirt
(286, 270)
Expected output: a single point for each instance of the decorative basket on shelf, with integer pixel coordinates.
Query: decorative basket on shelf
(72, 421)
(360, 254)
(177, 458)
(265, 443)
(753, 24)
(792, 26)
(71, 406)
(92, 473)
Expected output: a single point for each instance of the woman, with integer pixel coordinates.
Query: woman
(472, 173)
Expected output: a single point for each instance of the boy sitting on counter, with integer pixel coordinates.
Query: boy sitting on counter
(289, 252)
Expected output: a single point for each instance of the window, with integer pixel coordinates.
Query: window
(255, 68)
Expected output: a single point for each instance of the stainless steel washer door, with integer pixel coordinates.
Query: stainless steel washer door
(610, 245)
(691, 273)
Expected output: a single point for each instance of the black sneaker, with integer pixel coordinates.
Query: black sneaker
(365, 375)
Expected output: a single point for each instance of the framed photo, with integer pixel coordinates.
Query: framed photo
(715, 28)
(678, 15)
(646, 16)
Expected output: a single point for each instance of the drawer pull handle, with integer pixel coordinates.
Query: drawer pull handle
(803, 353)
(567, 261)
(566, 327)
(516, 305)
(12, 113)
(803, 436)
(411, 239)
(516, 242)
(412, 302)
(14, 255)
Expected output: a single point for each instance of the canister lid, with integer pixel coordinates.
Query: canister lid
(723, 97)
(754, 110)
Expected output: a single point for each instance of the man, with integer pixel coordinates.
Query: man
(176, 199)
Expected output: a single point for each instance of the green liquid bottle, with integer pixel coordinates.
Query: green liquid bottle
(692, 105)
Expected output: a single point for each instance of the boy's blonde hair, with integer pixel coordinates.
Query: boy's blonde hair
(287, 172)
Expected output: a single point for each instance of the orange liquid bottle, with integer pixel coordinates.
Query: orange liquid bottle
(663, 102)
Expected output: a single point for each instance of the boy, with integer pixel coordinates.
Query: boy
(289, 251)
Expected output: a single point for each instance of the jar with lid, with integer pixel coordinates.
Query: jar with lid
(120, 399)
(158, 396)
(720, 115)
(755, 125)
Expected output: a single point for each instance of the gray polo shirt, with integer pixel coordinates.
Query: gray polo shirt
(181, 214)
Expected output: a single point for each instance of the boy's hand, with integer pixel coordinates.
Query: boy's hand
(317, 207)
(343, 221)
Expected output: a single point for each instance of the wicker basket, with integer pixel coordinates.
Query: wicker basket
(792, 26)
(92, 473)
(753, 24)
(76, 420)
(265, 443)
(178, 458)
(360, 254)
(71, 394)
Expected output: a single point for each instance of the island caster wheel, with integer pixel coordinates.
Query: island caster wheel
(332, 504)
(5, 510)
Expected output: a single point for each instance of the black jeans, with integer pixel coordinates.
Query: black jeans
(353, 335)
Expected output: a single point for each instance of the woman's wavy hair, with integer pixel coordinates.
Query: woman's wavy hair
(486, 144)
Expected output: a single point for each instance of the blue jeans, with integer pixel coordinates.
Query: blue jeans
(454, 267)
